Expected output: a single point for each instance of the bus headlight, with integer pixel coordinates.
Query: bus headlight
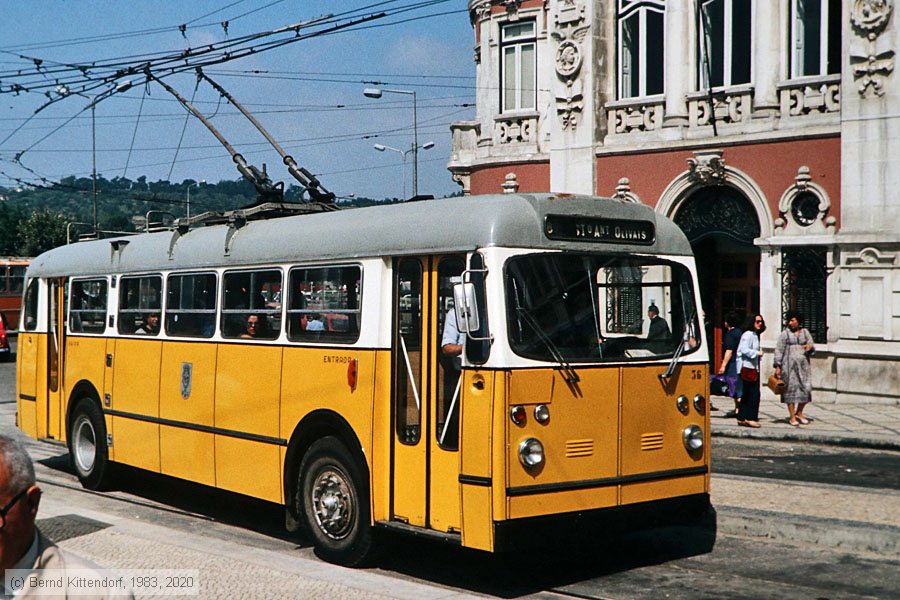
(541, 413)
(531, 453)
(693, 438)
(682, 404)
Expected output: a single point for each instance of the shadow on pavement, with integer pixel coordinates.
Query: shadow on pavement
(206, 502)
(553, 565)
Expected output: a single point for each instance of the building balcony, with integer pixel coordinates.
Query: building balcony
(810, 96)
(731, 105)
(635, 115)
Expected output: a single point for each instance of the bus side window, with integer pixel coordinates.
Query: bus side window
(31, 306)
(251, 305)
(87, 301)
(324, 304)
(191, 305)
(139, 305)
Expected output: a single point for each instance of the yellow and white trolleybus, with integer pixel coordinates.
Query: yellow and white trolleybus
(301, 360)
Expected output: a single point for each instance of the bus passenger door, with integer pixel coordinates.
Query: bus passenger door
(31, 401)
(445, 390)
(425, 474)
(409, 447)
(56, 345)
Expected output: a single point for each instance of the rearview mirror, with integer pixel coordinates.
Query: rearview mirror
(466, 308)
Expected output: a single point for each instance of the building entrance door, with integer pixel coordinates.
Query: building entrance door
(721, 225)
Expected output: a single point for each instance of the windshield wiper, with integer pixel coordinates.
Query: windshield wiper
(568, 372)
(679, 350)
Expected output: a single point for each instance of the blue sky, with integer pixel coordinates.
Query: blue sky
(307, 94)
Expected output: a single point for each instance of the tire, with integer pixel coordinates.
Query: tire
(333, 501)
(88, 452)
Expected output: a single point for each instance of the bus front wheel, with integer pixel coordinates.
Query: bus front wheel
(87, 445)
(335, 503)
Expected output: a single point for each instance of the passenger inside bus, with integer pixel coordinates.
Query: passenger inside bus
(150, 325)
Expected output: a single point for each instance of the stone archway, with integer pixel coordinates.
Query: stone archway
(721, 224)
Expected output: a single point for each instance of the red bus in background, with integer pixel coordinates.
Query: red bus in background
(12, 277)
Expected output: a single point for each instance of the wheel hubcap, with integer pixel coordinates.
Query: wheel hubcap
(332, 502)
(85, 445)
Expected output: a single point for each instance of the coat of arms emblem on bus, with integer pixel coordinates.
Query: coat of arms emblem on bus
(187, 370)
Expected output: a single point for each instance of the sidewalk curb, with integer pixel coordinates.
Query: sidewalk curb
(851, 441)
(838, 534)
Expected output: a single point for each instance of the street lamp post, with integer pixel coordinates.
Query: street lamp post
(188, 202)
(376, 93)
(65, 91)
(414, 150)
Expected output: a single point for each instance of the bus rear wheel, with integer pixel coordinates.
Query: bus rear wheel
(87, 445)
(334, 501)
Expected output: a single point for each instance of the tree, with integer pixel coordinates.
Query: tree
(40, 231)
(10, 218)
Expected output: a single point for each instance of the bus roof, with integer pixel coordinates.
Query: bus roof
(457, 224)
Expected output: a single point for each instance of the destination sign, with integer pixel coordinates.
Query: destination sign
(606, 231)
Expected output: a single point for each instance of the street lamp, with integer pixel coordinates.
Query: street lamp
(188, 202)
(404, 153)
(376, 93)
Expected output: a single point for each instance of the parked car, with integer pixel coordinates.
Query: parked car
(5, 350)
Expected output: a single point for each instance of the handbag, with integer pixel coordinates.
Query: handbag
(776, 385)
(749, 374)
(722, 385)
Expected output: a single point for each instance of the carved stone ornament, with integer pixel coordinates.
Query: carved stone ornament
(568, 59)
(481, 9)
(871, 16)
(871, 257)
(569, 33)
(510, 184)
(871, 66)
(707, 168)
(624, 193)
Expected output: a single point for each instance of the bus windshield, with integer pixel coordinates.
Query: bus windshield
(589, 307)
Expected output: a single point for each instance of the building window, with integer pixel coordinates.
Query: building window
(803, 288)
(724, 43)
(641, 45)
(624, 306)
(816, 36)
(518, 70)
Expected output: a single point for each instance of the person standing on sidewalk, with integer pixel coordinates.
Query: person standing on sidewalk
(795, 345)
(748, 357)
(730, 342)
(36, 562)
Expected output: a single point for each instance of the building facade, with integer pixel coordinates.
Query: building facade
(766, 129)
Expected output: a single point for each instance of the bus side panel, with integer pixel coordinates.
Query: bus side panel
(248, 386)
(652, 425)
(188, 369)
(85, 359)
(317, 379)
(136, 391)
(657, 490)
(381, 436)
(477, 441)
(28, 365)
